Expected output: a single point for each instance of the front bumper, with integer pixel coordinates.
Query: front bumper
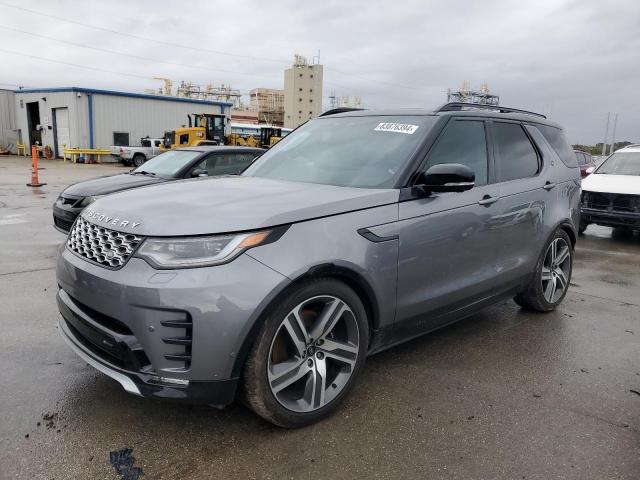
(178, 334)
(610, 218)
(211, 393)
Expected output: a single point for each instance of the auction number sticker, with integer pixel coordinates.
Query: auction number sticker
(397, 127)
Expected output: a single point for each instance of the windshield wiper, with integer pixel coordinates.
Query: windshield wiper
(144, 172)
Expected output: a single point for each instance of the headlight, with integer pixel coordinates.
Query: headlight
(89, 200)
(199, 251)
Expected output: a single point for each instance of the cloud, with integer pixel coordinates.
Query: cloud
(573, 60)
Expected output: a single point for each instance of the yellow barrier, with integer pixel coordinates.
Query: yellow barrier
(74, 153)
(22, 147)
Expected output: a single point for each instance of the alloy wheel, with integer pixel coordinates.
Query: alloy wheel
(313, 354)
(556, 269)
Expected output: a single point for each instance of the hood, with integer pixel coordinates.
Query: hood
(110, 184)
(226, 204)
(600, 182)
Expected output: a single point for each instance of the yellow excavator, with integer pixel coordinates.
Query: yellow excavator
(269, 136)
(203, 129)
(210, 129)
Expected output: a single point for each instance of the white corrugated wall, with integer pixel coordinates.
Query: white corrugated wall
(47, 103)
(8, 132)
(140, 117)
(137, 116)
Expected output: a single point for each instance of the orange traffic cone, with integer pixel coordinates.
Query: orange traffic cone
(35, 182)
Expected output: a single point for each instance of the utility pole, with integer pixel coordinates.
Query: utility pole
(606, 136)
(613, 136)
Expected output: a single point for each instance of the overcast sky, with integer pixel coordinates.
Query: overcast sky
(572, 60)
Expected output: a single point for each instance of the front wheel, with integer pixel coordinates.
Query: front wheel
(550, 281)
(308, 353)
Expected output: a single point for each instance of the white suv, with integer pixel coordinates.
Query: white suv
(611, 196)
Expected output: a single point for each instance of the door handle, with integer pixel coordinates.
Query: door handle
(548, 186)
(487, 200)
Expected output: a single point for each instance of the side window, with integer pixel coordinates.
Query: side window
(558, 142)
(157, 142)
(463, 141)
(232, 163)
(208, 164)
(582, 159)
(515, 155)
(579, 158)
(184, 139)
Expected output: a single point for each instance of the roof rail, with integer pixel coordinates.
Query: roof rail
(333, 111)
(457, 106)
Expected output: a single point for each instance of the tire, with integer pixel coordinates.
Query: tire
(536, 296)
(621, 233)
(138, 159)
(582, 227)
(334, 358)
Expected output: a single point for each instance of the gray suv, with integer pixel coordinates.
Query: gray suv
(356, 232)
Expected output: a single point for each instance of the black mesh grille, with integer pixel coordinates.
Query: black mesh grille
(100, 245)
(62, 224)
(612, 201)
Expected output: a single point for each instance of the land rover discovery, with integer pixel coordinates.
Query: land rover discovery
(358, 231)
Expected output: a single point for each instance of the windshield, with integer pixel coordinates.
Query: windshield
(168, 164)
(621, 163)
(365, 152)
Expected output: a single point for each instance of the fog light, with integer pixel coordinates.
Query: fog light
(169, 381)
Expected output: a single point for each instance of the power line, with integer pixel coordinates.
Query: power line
(137, 57)
(200, 49)
(140, 37)
(96, 69)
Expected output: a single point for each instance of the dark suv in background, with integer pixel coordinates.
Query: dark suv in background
(357, 231)
(171, 165)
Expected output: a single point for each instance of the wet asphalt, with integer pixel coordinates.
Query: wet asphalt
(502, 395)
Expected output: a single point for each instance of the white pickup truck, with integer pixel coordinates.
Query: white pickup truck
(136, 156)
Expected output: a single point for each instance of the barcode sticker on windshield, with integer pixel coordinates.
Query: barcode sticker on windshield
(396, 127)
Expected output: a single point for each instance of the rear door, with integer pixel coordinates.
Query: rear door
(527, 193)
(447, 244)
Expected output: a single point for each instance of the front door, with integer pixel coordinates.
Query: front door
(33, 122)
(448, 247)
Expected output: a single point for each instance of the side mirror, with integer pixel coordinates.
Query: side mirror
(198, 172)
(446, 177)
(590, 170)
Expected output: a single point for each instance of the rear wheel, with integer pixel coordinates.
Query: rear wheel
(308, 353)
(138, 159)
(550, 281)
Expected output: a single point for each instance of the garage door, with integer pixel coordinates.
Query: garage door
(62, 129)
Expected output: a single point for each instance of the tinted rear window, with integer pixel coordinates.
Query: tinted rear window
(517, 158)
(558, 142)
